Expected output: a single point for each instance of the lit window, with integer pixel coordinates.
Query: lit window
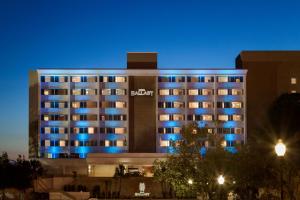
(76, 79)
(223, 117)
(106, 91)
(120, 92)
(76, 143)
(49, 155)
(164, 143)
(237, 92)
(222, 92)
(91, 130)
(61, 105)
(76, 91)
(120, 143)
(164, 117)
(75, 117)
(224, 143)
(207, 117)
(293, 81)
(62, 143)
(61, 130)
(76, 130)
(164, 92)
(46, 118)
(61, 79)
(178, 104)
(107, 143)
(222, 79)
(47, 79)
(120, 79)
(119, 130)
(177, 92)
(237, 117)
(208, 79)
(177, 117)
(47, 105)
(194, 104)
(238, 130)
(46, 92)
(236, 104)
(207, 104)
(75, 104)
(120, 104)
(210, 130)
(47, 130)
(193, 92)
(90, 91)
(177, 129)
(47, 143)
(206, 92)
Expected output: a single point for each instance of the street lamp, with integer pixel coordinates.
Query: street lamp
(190, 181)
(280, 150)
(221, 180)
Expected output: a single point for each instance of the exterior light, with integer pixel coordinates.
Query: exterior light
(280, 148)
(221, 179)
(190, 181)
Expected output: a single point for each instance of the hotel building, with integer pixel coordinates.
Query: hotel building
(133, 115)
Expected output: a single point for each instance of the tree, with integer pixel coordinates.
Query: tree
(189, 171)
(283, 118)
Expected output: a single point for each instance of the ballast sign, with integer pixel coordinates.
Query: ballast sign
(142, 92)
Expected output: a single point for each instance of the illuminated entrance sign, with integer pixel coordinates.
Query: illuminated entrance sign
(142, 92)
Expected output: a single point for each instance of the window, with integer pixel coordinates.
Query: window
(106, 92)
(46, 92)
(222, 92)
(76, 79)
(207, 92)
(163, 92)
(207, 117)
(194, 104)
(178, 92)
(208, 79)
(75, 104)
(47, 79)
(120, 92)
(91, 130)
(236, 92)
(164, 143)
(90, 91)
(237, 117)
(207, 104)
(47, 143)
(119, 130)
(177, 129)
(47, 105)
(223, 117)
(236, 104)
(178, 104)
(164, 117)
(120, 143)
(76, 91)
(47, 130)
(293, 81)
(178, 117)
(120, 79)
(62, 143)
(193, 92)
(107, 143)
(120, 104)
(61, 130)
(222, 79)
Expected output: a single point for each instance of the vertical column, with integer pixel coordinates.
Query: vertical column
(69, 116)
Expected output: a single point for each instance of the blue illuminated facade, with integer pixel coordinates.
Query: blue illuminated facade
(84, 111)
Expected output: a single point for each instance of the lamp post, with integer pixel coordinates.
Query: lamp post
(280, 150)
(221, 181)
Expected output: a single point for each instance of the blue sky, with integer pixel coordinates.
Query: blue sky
(98, 33)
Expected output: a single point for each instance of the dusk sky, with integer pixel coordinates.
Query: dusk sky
(95, 34)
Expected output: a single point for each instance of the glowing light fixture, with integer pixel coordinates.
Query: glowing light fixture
(280, 148)
(221, 179)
